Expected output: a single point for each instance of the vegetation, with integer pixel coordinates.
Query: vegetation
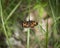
(13, 12)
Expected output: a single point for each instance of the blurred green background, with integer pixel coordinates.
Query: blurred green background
(45, 35)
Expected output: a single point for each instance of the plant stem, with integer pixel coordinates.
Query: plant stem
(28, 36)
(47, 35)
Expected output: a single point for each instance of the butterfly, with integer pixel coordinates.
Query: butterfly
(30, 24)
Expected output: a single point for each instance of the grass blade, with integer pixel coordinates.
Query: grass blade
(3, 24)
(13, 11)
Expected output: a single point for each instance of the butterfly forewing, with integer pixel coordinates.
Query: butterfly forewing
(25, 24)
(32, 24)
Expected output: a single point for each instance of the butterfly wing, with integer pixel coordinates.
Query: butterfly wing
(30, 24)
(33, 23)
(25, 24)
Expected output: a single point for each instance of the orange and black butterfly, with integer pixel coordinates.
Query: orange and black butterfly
(30, 24)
